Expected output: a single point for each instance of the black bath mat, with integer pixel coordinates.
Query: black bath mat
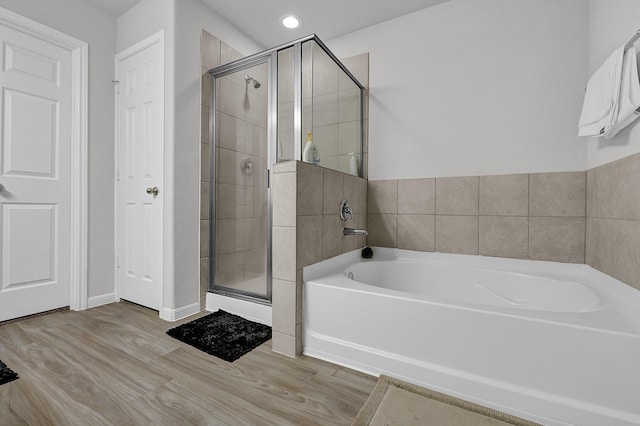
(222, 334)
(6, 374)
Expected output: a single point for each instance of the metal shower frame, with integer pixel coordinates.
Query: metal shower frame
(270, 57)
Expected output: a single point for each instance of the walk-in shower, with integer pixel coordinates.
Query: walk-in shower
(263, 107)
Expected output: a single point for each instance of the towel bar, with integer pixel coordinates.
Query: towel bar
(632, 41)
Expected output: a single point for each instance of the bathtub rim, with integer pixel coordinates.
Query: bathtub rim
(338, 263)
(625, 297)
(597, 302)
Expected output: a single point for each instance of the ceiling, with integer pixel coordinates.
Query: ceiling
(259, 19)
(115, 7)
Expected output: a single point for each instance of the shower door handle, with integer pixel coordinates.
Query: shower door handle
(153, 191)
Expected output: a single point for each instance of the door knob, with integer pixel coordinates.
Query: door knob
(153, 191)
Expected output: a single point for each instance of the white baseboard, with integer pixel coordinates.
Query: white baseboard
(168, 314)
(103, 299)
(252, 311)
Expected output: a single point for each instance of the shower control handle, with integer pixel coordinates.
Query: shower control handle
(153, 191)
(346, 213)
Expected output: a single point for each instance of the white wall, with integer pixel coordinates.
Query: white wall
(183, 27)
(85, 22)
(475, 87)
(146, 18)
(611, 24)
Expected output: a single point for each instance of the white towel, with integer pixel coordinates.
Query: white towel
(629, 95)
(600, 107)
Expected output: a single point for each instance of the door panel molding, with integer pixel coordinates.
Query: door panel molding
(78, 298)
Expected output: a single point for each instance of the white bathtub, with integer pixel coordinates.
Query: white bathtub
(554, 343)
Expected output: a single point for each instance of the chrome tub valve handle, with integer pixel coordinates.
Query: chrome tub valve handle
(346, 213)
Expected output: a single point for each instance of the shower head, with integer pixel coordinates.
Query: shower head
(256, 83)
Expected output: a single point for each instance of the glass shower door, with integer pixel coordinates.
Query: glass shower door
(240, 237)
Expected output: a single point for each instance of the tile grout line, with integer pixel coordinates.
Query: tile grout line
(478, 210)
(435, 213)
(529, 216)
(397, 213)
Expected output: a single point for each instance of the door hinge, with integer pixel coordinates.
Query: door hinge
(116, 84)
(118, 262)
(268, 178)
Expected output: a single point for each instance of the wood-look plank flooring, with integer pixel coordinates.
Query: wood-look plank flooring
(114, 365)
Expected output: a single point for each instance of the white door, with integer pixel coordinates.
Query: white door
(140, 172)
(35, 174)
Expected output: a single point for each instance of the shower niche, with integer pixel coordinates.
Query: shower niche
(278, 105)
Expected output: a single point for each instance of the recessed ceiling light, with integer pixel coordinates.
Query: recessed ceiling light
(290, 21)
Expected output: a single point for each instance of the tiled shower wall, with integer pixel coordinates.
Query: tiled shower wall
(306, 230)
(330, 107)
(241, 204)
(213, 53)
(613, 219)
(527, 216)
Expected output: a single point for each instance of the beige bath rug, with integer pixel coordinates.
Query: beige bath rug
(394, 402)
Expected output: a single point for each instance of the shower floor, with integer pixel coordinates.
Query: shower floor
(256, 284)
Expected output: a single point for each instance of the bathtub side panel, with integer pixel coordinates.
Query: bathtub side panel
(511, 363)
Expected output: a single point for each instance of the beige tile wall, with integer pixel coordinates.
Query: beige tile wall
(330, 106)
(613, 219)
(528, 216)
(241, 229)
(241, 194)
(306, 230)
